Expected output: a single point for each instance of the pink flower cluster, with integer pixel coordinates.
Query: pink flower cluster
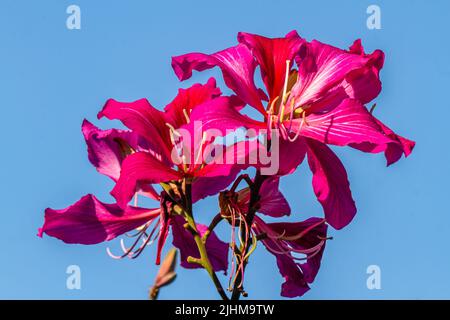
(314, 95)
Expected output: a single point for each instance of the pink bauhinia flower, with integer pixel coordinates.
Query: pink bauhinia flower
(138, 159)
(173, 158)
(297, 246)
(320, 102)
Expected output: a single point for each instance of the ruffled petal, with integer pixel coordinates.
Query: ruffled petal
(271, 203)
(322, 68)
(178, 111)
(141, 117)
(284, 238)
(89, 221)
(271, 55)
(238, 69)
(313, 233)
(364, 84)
(140, 168)
(330, 184)
(108, 148)
(294, 284)
(393, 149)
(348, 123)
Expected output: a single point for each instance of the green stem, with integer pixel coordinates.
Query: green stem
(201, 244)
(215, 221)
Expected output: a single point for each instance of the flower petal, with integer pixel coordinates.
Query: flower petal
(313, 231)
(322, 68)
(304, 235)
(107, 148)
(364, 84)
(165, 220)
(222, 115)
(238, 69)
(271, 55)
(222, 168)
(291, 154)
(295, 284)
(188, 99)
(349, 122)
(271, 203)
(140, 168)
(203, 187)
(141, 117)
(184, 240)
(89, 221)
(393, 149)
(331, 184)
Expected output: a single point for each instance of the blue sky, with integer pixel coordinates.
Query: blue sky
(51, 78)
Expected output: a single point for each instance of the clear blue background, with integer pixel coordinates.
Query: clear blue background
(51, 78)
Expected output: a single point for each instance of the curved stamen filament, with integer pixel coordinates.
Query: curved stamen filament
(200, 149)
(185, 113)
(281, 236)
(285, 94)
(141, 236)
(174, 133)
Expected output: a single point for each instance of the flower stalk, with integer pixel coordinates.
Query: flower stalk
(200, 242)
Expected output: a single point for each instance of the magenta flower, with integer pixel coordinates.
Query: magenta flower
(314, 96)
(320, 102)
(168, 159)
(297, 246)
(137, 159)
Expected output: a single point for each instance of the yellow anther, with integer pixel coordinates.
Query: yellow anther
(299, 111)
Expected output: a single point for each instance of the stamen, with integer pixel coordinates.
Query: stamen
(200, 149)
(297, 134)
(108, 251)
(270, 113)
(272, 105)
(286, 80)
(173, 132)
(285, 86)
(299, 235)
(291, 113)
(186, 115)
(310, 250)
(283, 131)
(135, 199)
(141, 236)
